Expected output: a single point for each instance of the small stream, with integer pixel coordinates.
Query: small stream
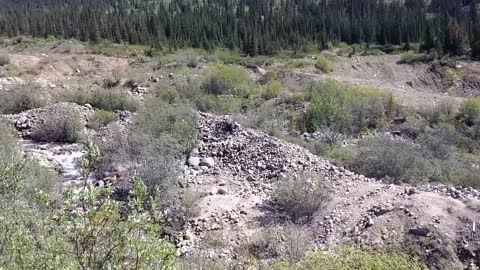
(63, 158)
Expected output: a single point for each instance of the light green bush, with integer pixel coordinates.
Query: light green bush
(173, 122)
(408, 57)
(225, 79)
(470, 111)
(272, 90)
(105, 99)
(392, 159)
(102, 118)
(229, 57)
(20, 99)
(351, 259)
(348, 109)
(113, 100)
(296, 63)
(323, 64)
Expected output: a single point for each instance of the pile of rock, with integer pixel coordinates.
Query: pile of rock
(139, 91)
(456, 192)
(254, 156)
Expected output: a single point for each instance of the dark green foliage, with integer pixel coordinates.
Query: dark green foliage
(476, 50)
(4, 60)
(253, 27)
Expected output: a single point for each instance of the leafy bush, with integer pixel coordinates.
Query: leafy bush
(264, 245)
(160, 135)
(224, 79)
(323, 64)
(410, 58)
(272, 90)
(439, 141)
(102, 118)
(470, 111)
(59, 128)
(387, 158)
(229, 57)
(113, 100)
(174, 122)
(19, 100)
(351, 259)
(105, 99)
(348, 110)
(442, 113)
(94, 236)
(295, 63)
(4, 60)
(301, 197)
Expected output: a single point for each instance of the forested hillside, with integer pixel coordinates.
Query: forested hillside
(253, 26)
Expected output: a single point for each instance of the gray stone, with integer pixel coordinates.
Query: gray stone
(193, 162)
(207, 162)
(419, 231)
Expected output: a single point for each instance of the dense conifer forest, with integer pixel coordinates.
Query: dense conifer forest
(253, 26)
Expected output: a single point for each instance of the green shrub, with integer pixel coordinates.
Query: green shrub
(224, 79)
(394, 159)
(470, 111)
(272, 90)
(174, 122)
(410, 57)
(35, 231)
(203, 102)
(323, 64)
(229, 57)
(295, 63)
(301, 197)
(104, 99)
(442, 113)
(102, 118)
(59, 128)
(439, 141)
(351, 259)
(19, 100)
(348, 109)
(4, 60)
(113, 100)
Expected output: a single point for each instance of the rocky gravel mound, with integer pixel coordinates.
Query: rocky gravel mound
(255, 156)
